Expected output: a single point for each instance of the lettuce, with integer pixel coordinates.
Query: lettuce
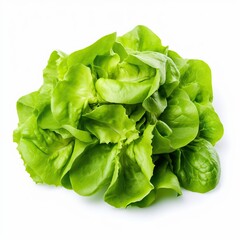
(126, 116)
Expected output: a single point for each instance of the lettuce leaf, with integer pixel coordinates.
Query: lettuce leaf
(197, 166)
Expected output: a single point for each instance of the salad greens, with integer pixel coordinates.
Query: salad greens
(125, 115)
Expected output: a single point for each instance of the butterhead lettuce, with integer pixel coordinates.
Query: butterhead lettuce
(125, 115)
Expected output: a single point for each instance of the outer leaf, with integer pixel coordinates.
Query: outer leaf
(115, 91)
(181, 63)
(181, 118)
(210, 126)
(197, 166)
(28, 105)
(141, 39)
(79, 148)
(55, 69)
(143, 151)
(163, 178)
(46, 120)
(133, 170)
(128, 184)
(120, 50)
(106, 65)
(133, 70)
(167, 76)
(45, 154)
(161, 140)
(77, 90)
(197, 82)
(93, 169)
(168, 72)
(109, 123)
(87, 55)
(155, 104)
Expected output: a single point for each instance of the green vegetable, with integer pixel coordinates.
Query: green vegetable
(197, 166)
(125, 115)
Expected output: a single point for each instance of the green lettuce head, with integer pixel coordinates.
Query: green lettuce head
(125, 115)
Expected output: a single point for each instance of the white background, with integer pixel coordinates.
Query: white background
(30, 30)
